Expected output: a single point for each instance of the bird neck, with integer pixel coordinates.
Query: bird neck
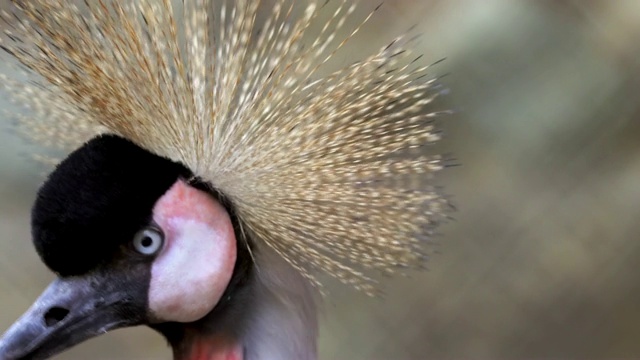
(273, 315)
(283, 317)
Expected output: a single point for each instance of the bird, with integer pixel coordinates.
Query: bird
(216, 169)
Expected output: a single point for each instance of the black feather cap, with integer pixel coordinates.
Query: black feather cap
(96, 200)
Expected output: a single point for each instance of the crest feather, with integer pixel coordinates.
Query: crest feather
(329, 170)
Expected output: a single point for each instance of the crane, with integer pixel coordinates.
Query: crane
(214, 168)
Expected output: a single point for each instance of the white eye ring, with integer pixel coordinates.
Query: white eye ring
(148, 241)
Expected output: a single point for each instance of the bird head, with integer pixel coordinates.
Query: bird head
(328, 171)
(134, 240)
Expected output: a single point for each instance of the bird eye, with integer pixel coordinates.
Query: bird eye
(148, 241)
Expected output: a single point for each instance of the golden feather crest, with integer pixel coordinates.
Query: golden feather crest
(328, 170)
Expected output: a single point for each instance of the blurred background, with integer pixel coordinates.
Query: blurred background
(543, 258)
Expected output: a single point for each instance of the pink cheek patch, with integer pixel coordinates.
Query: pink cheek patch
(195, 266)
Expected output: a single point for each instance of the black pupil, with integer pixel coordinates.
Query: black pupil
(146, 241)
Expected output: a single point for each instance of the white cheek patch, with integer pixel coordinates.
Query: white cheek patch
(195, 266)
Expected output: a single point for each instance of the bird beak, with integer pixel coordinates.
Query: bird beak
(69, 311)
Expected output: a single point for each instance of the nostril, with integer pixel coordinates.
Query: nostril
(55, 315)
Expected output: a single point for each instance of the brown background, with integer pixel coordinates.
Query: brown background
(543, 258)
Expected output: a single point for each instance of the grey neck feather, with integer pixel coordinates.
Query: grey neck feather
(283, 323)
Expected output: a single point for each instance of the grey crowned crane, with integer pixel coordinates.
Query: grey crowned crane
(215, 170)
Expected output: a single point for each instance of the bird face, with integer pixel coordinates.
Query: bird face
(132, 243)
